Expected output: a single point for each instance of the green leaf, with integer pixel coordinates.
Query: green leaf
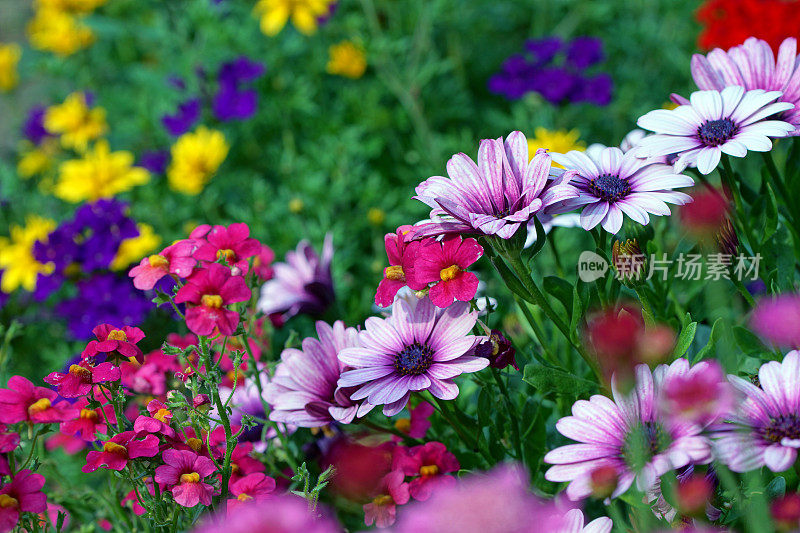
(576, 314)
(548, 380)
(561, 289)
(776, 488)
(748, 341)
(684, 339)
(771, 216)
(716, 333)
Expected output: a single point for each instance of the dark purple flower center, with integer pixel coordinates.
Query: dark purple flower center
(609, 188)
(716, 132)
(414, 360)
(782, 427)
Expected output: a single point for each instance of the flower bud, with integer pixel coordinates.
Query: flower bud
(603, 481)
(628, 261)
(201, 402)
(498, 350)
(727, 240)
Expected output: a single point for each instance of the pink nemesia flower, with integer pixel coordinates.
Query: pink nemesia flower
(49, 518)
(136, 504)
(174, 259)
(700, 396)
(114, 343)
(24, 402)
(119, 449)
(417, 425)
(777, 320)
(206, 293)
(255, 487)
(81, 377)
(282, 514)
(158, 421)
(401, 252)
(262, 264)
(22, 495)
(183, 474)
(427, 464)
(90, 421)
(445, 264)
(392, 491)
(70, 443)
(233, 244)
(8, 443)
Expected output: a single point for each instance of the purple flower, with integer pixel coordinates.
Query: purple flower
(183, 119)
(496, 196)
(752, 65)
(154, 160)
(554, 84)
(232, 102)
(611, 183)
(629, 434)
(33, 128)
(420, 347)
(303, 392)
(595, 89)
(281, 514)
(544, 49)
(778, 320)
(583, 52)
(240, 70)
(303, 284)
(766, 428)
(246, 400)
(732, 122)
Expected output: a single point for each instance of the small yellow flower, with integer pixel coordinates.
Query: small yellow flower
(304, 13)
(100, 174)
(76, 122)
(196, 157)
(559, 141)
(376, 216)
(72, 6)
(131, 250)
(9, 57)
(36, 159)
(19, 267)
(59, 32)
(669, 106)
(296, 205)
(347, 59)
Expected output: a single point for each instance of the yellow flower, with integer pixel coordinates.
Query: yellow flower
(346, 59)
(36, 159)
(100, 174)
(196, 157)
(560, 141)
(376, 216)
(669, 106)
(73, 6)
(304, 13)
(19, 267)
(9, 57)
(58, 31)
(131, 250)
(76, 122)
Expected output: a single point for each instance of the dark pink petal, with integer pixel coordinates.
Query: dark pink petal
(463, 287)
(105, 372)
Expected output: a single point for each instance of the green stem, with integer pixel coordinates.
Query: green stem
(512, 413)
(537, 331)
(727, 176)
(226, 423)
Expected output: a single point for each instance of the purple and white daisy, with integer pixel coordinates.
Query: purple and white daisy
(503, 191)
(629, 434)
(766, 428)
(303, 392)
(712, 123)
(752, 65)
(611, 183)
(574, 520)
(303, 284)
(420, 347)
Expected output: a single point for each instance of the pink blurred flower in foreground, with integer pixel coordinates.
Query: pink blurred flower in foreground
(81, 377)
(778, 320)
(206, 294)
(24, 402)
(427, 464)
(232, 244)
(629, 434)
(183, 474)
(766, 428)
(418, 348)
(255, 487)
(119, 449)
(174, 259)
(700, 396)
(444, 263)
(23, 494)
(282, 514)
(391, 492)
(496, 196)
(401, 253)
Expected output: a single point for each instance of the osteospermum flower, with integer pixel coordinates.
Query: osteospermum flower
(23, 494)
(766, 428)
(81, 377)
(305, 14)
(401, 253)
(121, 448)
(752, 65)
(712, 123)
(613, 183)
(18, 265)
(196, 157)
(206, 294)
(304, 390)
(183, 474)
(497, 195)
(174, 259)
(629, 434)
(22, 401)
(444, 264)
(418, 348)
(232, 244)
(75, 121)
(114, 343)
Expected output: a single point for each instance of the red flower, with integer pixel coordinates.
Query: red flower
(382, 510)
(417, 426)
(136, 506)
(445, 264)
(206, 293)
(401, 255)
(80, 378)
(119, 449)
(22, 495)
(728, 23)
(158, 421)
(24, 402)
(114, 343)
(70, 443)
(262, 264)
(183, 474)
(429, 462)
(254, 487)
(89, 421)
(174, 259)
(232, 244)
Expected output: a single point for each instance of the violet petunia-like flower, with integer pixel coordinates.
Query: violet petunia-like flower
(629, 433)
(496, 196)
(766, 428)
(304, 391)
(753, 65)
(303, 284)
(612, 183)
(418, 348)
(184, 118)
(712, 123)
